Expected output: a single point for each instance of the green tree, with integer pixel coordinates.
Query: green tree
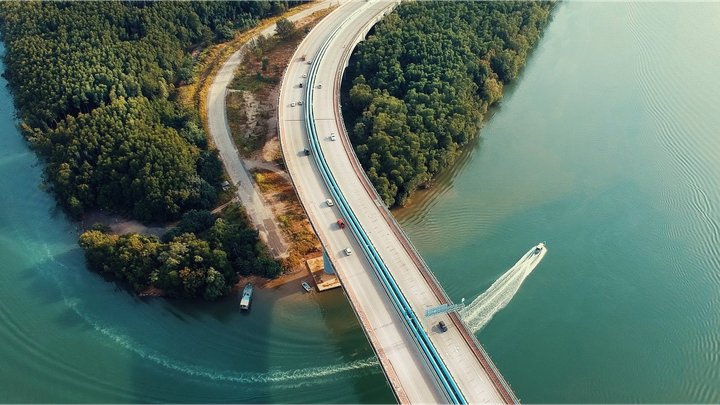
(285, 28)
(95, 83)
(417, 91)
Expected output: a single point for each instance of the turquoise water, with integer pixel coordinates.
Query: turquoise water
(606, 148)
(67, 335)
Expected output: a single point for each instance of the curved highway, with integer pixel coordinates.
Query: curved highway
(387, 283)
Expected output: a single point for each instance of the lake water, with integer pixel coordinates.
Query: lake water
(67, 335)
(606, 148)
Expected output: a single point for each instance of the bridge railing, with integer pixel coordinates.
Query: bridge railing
(394, 292)
(504, 388)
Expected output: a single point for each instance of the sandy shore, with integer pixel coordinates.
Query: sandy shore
(262, 282)
(121, 226)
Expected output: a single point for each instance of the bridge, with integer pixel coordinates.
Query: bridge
(386, 281)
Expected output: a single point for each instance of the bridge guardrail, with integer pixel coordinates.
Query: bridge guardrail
(394, 292)
(502, 385)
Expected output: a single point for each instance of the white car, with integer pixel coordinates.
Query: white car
(329, 202)
(332, 137)
(300, 102)
(304, 75)
(348, 251)
(292, 104)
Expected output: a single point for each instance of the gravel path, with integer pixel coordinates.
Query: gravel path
(248, 192)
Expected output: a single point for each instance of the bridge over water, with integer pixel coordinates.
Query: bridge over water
(388, 284)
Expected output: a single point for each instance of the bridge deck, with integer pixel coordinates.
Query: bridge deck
(403, 363)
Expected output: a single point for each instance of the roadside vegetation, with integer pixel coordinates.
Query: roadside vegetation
(252, 118)
(99, 91)
(252, 99)
(293, 221)
(418, 88)
(95, 85)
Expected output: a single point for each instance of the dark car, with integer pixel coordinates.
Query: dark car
(307, 152)
(341, 223)
(442, 326)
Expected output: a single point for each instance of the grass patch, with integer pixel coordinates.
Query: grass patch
(259, 76)
(253, 82)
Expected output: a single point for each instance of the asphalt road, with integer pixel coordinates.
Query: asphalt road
(402, 361)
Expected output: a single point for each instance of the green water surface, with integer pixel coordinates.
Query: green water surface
(608, 148)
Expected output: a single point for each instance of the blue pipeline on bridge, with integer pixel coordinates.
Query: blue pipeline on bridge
(401, 304)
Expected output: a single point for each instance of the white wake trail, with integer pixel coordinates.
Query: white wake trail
(479, 312)
(294, 378)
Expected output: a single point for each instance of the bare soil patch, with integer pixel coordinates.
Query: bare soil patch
(252, 117)
(291, 217)
(120, 226)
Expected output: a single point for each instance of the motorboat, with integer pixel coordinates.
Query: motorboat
(246, 296)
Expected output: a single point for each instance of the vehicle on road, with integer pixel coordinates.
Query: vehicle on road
(306, 152)
(301, 85)
(292, 104)
(442, 326)
(332, 137)
(348, 251)
(300, 102)
(304, 75)
(309, 62)
(341, 223)
(306, 286)
(329, 202)
(319, 86)
(302, 57)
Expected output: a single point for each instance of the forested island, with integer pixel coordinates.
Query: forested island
(96, 89)
(419, 86)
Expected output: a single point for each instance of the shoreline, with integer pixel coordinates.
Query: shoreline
(268, 283)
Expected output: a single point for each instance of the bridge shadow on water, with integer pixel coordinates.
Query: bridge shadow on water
(348, 340)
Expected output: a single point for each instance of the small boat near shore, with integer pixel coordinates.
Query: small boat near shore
(306, 286)
(246, 296)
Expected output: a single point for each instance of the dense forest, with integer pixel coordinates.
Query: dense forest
(94, 83)
(200, 257)
(420, 84)
(96, 88)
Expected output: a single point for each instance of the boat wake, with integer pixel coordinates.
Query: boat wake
(293, 378)
(479, 312)
(286, 378)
